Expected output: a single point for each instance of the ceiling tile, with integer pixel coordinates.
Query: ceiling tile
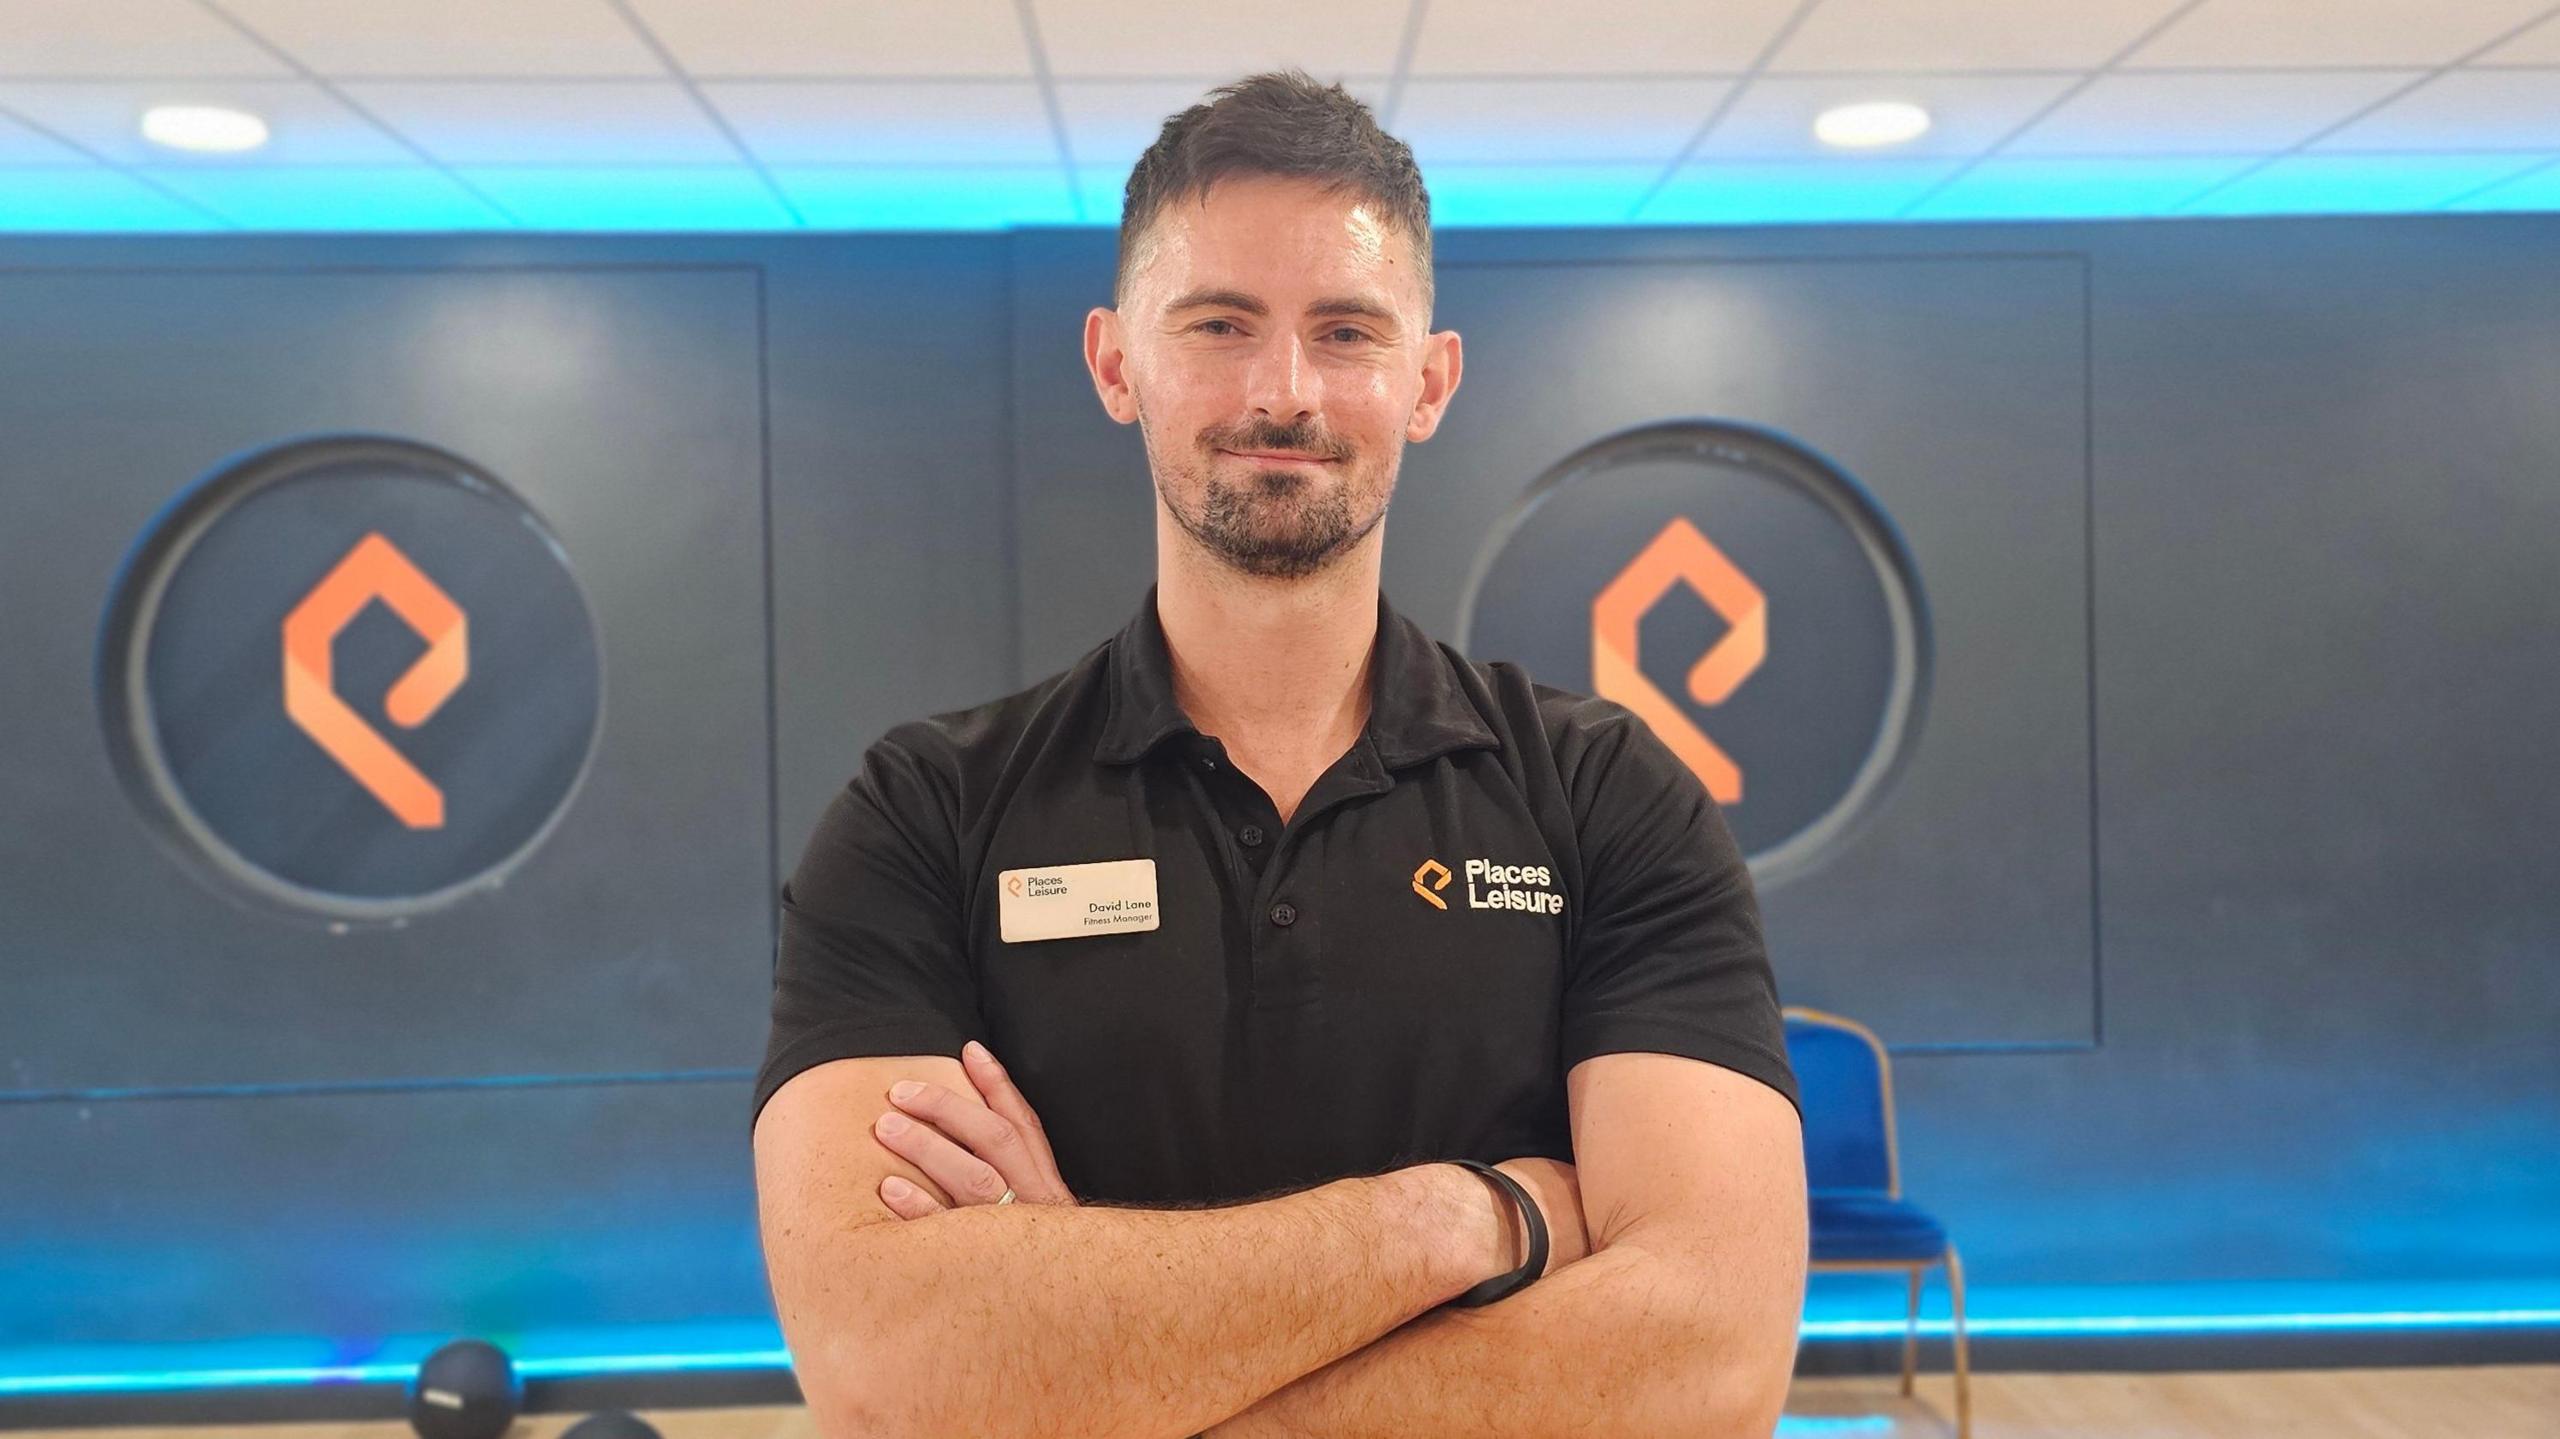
(857, 197)
(1458, 191)
(1624, 37)
(1110, 123)
(711, 197)
(2332, 32)
(1467, 194)
(498, 122)
(2356, 184)
(2078, 189)
(2537, 46)
(1774, 117)
(2185, 113)
(2534, 189)
(89, 199)
(279, 197)
(2463, 110)
(1966, 34)
(25, 145)
(1464, 196)
(305, 125)
(1792, 192)
(1102, 188)
(888, 121)
(1532, 121)
(451, 37)
(839, 37)
(1330, 39)
(89, 38)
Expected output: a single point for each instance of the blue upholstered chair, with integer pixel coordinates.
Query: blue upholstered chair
(1860, 1219)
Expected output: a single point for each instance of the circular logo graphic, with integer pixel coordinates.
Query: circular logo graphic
(1744, 596)
(349, 677)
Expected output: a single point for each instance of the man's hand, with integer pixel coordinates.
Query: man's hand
(1553, 1185)
(975, 1153)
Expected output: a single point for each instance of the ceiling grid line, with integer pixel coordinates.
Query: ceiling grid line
(2043, 112)
(89, 157)
(331, 89)
(110, 163)
(2476, 191)
(2433, 75)
(1405, 45)
(975, 77)
(1732, 96)
(684, 80)
(1048, 85)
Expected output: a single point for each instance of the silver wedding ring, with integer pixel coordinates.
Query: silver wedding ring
(1008, 1197)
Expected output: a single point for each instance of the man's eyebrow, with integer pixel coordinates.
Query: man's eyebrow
(1327, 308)
(1353, 305)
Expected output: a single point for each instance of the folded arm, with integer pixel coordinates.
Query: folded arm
(1681, 1322)
(1066, 1321)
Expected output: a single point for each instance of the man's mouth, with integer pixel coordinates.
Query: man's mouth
(1280, 457)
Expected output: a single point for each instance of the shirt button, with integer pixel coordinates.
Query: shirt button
(1284, 914)
(1251, 834)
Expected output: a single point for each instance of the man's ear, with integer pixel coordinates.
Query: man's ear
(1443, 357)
(1109, 364)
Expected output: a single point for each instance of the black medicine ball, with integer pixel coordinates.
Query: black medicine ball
(465, 1390)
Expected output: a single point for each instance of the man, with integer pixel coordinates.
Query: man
(1271, 905)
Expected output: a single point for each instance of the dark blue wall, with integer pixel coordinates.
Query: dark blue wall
(2250, 609)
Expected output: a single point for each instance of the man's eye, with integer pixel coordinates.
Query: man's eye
(1205, 324)
(1354, 334)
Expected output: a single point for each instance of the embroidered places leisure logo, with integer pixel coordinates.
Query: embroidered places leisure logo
(1527, 888)
(1432, 876)
(1744, 597)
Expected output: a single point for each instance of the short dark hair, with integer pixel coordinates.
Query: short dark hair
(1280, 123)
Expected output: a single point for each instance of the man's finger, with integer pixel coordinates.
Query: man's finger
(996, 1085)
(962, 1175)
(970, 1123)
(905, 1200)
(1001, 1095)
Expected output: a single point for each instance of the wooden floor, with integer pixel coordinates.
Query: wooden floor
(2448, 1403)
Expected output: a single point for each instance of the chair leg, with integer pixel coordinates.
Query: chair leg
(1911, 1333)
(1964, 1367)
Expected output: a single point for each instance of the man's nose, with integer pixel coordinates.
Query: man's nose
(1279, 382)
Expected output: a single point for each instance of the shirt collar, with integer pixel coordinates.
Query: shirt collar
(1417, 708)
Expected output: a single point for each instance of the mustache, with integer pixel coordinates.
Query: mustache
(1300, 438)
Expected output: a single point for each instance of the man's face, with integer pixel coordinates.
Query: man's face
(1274, 351)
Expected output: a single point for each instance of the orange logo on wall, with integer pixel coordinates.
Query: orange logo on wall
(1436, 875)
(1678, 555)
(376, 568)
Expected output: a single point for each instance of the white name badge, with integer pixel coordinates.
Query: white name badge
(1065, 901)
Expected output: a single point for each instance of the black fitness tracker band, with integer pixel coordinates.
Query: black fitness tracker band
(1501, 1285)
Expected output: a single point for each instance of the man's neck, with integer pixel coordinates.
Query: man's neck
(1275, 668)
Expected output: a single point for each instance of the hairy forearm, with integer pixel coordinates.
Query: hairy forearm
(1615, 1344)
(1069, 1321)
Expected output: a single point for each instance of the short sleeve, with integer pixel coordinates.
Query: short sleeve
(1668, 957)
(871, 959)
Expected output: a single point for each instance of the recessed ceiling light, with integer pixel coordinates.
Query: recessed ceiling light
(1863, 127)
(209, 128)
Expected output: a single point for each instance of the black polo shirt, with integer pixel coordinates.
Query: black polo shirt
(1498, 880)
